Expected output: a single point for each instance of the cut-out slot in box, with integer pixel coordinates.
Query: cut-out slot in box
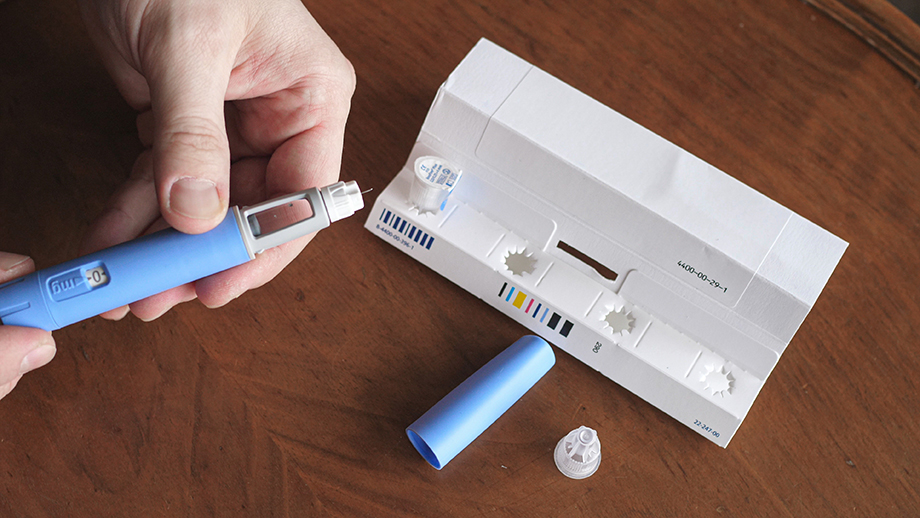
(572, 219)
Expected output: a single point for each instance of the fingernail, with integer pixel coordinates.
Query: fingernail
(195, 198)
(38, 357)
(9, 261)
(147, 319)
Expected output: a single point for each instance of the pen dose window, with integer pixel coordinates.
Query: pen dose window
(97, 276)
(280, 217)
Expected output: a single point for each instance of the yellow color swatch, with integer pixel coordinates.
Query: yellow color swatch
(519, 300)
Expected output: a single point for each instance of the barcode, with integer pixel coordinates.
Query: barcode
(406, 228)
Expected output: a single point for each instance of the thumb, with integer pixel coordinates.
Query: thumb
(188, 81)
(23, 349)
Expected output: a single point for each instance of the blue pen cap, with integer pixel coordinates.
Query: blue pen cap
(461, 416)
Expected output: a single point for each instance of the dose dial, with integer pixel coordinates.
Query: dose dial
(96, 277)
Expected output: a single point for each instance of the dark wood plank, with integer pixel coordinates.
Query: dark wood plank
(292, 400)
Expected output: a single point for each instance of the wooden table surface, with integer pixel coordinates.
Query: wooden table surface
(293, 400)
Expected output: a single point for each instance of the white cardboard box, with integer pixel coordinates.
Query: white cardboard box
(708, 279)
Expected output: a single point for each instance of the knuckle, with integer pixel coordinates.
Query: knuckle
(349, 76)
(196, 134)
(330, 98)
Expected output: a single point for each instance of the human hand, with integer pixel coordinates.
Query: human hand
(240, 101)
(22, 349)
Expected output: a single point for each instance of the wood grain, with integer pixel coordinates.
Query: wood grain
(883, 26)
(293, 399)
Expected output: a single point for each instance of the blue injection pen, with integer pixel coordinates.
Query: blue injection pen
(76, 290)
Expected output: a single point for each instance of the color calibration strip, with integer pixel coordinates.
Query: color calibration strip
(535, 309)
(406, 228)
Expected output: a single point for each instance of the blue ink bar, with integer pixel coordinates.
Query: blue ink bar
(510, 293)
(539, 305)
(545, 312)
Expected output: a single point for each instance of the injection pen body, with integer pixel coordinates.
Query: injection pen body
(56, 297)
